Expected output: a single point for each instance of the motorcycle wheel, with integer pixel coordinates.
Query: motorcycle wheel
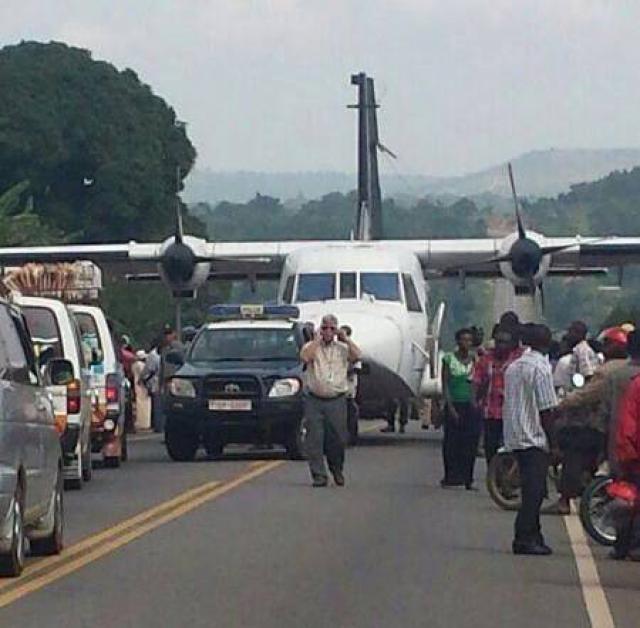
(503, 481)
(595, 511)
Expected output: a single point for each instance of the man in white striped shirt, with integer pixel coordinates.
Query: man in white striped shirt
(529, 401)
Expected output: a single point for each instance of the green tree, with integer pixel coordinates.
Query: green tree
(105, 156)
(19, 225)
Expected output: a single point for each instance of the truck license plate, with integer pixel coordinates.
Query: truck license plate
(230, 405)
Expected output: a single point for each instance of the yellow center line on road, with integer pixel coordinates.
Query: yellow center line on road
(96, 546)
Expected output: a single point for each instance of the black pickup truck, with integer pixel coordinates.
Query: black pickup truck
(240, 382)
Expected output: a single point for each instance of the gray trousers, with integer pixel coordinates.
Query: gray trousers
(326, 426)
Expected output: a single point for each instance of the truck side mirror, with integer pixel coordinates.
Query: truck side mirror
(175, 358)
(58, 372)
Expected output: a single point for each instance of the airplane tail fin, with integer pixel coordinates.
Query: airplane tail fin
(369, 212)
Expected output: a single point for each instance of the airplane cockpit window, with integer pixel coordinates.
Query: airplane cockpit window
(411, 294)
(287, 295)
(347, 285)
(381, 286)
(316, 287)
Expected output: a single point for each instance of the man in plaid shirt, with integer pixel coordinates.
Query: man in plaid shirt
(488, 384)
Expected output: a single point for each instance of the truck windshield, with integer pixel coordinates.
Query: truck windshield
(382, 286)
(217, 345)
(316, 287)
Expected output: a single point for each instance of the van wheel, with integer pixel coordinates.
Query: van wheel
(12, 563)
(181, 446)
(87, 469)
(53, 543)
(124, 448)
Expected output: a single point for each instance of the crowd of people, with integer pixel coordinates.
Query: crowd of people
(575, 400)
(148, 373)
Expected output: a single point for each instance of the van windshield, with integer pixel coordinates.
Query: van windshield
(44, 331)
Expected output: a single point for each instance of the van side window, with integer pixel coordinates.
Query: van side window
(411, 294)
(287, 295)
(347, 285)
(17, 368)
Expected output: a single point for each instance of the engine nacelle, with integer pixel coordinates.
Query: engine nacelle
(180, 266)
(527, 262)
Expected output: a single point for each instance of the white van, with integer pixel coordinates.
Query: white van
(108, 430)
(55, 334)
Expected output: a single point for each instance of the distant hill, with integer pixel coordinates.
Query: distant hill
(542, 172)
(538, 173)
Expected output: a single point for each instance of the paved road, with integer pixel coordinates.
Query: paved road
(258, 547)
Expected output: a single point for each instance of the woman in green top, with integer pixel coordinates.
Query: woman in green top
(462, 420)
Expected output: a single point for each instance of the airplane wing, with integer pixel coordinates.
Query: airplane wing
(133, 251)
(482, 257)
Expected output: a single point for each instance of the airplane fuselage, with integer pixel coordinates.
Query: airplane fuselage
(379, 291)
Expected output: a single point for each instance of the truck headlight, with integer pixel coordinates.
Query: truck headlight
(182, 388)
(286, 387)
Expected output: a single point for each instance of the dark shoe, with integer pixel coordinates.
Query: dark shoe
(338, 478)
(320, 482)
(616, 554)
(388, 430)
(449, 484)
(531, 549)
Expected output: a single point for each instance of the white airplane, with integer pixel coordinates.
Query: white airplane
(378, 287)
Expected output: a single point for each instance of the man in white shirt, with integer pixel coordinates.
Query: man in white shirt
(585, 359)
(327, 360)
(529, 401)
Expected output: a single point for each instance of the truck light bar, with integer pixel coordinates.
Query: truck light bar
(254, 311)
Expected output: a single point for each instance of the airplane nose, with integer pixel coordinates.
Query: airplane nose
(379, 338)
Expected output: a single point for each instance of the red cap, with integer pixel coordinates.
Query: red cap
(615, 335)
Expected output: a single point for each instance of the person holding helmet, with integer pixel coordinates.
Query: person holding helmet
(582, 431)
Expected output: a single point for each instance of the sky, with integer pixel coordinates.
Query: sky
(463, 84)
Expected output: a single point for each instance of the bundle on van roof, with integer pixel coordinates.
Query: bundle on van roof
(77, 282)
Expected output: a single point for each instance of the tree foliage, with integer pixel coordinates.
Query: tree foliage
(19, 224)
(101, 151)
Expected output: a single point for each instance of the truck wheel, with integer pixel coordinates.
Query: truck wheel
(52, 544)
(353, 431)
(12, 563)
(181, 447)
(214, 447)
(295, 442)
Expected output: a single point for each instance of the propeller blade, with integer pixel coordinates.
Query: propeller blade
(522, 234)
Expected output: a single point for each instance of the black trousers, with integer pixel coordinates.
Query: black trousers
(533, 464)
(460, 444)
(580, 448)
(493, 438)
